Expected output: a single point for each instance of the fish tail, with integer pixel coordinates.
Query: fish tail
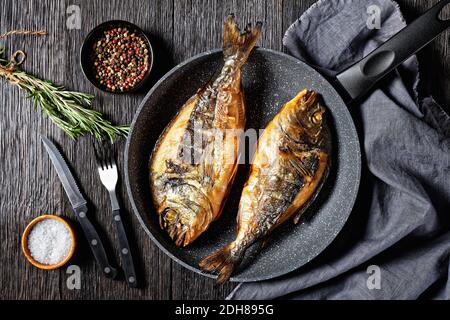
(237, 43)
(223, 261)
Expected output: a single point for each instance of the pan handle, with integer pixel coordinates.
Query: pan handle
(360, 77)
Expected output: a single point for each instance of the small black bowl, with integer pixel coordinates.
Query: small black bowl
(93, 36)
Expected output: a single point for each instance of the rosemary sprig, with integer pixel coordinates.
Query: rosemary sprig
(69, 110)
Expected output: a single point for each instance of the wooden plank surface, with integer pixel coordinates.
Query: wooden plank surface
(29, 185)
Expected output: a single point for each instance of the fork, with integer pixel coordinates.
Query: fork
(109, 176)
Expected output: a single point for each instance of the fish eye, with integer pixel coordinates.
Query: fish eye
(316, 118)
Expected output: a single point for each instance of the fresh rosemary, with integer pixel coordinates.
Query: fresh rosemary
(69, 110)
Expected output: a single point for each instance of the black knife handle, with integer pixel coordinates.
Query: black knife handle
(362, 76)
(95, 243)
(125, 252)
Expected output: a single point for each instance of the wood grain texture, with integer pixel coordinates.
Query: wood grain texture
(28, 183)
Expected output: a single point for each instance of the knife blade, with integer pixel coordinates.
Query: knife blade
(79, 205)
(65, 176)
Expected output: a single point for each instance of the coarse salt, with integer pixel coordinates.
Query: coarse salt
(49, 242)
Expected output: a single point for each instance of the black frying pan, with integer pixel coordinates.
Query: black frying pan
(270, 79)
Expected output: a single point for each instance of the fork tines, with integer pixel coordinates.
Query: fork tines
(104, 154)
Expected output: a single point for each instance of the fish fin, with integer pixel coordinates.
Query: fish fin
(297, 216)
(300, 167)
(265, 241)
(223, 261)
(235, 42)
(207, 165)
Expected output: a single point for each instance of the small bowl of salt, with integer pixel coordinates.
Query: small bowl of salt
(48, 242)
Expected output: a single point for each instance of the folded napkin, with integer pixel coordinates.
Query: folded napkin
(396, 242)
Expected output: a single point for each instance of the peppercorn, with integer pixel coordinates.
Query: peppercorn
(120, 59)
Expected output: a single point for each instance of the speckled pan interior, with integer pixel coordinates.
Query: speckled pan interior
(269, 79)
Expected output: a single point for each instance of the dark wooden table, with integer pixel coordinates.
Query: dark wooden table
(28, 182)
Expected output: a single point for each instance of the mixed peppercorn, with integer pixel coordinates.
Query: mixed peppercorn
(121, 59)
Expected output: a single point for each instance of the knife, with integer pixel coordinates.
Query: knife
(79, 206)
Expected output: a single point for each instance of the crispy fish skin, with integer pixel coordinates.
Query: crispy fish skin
(289, 167)
(190, 179)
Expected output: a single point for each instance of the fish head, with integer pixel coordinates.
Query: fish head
(310, 114)
(184, 216)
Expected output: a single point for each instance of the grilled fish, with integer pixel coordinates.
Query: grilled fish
(195, 159)
(289, 167)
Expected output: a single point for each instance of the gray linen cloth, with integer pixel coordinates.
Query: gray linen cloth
(401, 221)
